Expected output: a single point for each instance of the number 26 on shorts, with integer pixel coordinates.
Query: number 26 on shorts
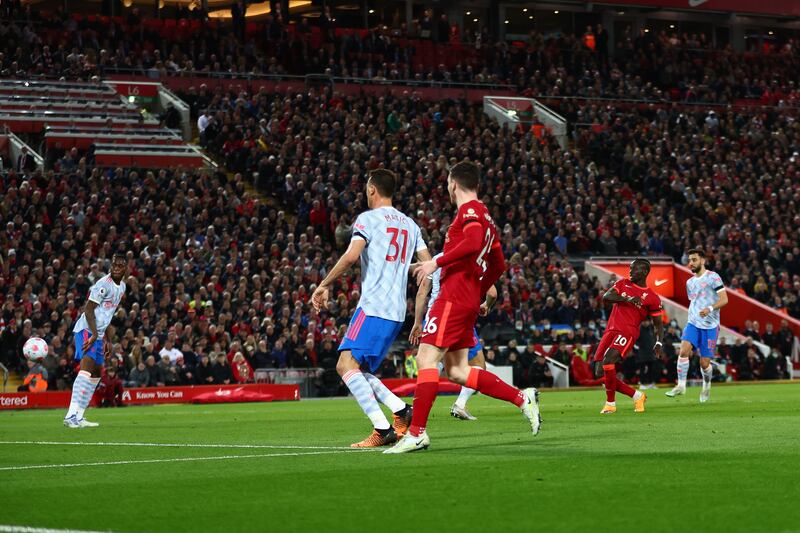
(430, 326)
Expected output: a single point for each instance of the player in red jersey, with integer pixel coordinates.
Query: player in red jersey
(472, 262)
(633, 302)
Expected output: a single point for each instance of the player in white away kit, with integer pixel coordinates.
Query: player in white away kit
(475, 357)
(706, 296)
(386, 240)
(104, 298)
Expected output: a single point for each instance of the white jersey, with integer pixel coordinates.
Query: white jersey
(392, 240)
(107, 295)
(703, 291)
(436, 283)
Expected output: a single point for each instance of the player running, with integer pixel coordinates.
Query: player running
(706, 297)
(385, 239)
(90, 348)
(475, 356)
(471, 263)
(633, 302)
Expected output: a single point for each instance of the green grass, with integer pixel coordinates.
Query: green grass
(729, 465)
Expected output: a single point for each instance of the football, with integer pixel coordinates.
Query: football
(35, 349)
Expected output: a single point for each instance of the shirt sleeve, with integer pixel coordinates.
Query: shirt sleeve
(655, 306)
(361, 229)
(716, 283)
(98, 293)
(468, 215)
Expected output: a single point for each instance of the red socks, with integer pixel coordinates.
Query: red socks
(424, 396)
(610, 373)
(625, 389)
(490, 385)
(613, 384)
(478, 379)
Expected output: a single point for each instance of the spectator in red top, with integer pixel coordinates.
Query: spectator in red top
(110, 389)
(242, 371)
(318, 216)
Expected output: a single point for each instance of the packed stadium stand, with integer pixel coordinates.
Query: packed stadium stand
(675, 140)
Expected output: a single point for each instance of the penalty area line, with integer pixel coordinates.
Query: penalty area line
(176, 445)
(179, 460)
(27, 529)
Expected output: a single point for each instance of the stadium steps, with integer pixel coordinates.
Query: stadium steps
(14, 381)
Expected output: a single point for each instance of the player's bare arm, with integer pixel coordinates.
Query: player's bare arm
(90, 319)
(613, 297)
(722, 302)
(658, 348)
(491, 298)
(420, 302)
(320, 297)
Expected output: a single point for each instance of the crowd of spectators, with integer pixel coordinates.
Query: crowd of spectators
(654, 66)
(727, 182)
(219, 279)
(216, 272)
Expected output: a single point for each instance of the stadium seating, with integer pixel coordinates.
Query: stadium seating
(633, 182)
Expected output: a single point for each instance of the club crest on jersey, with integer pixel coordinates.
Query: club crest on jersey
(644, 295)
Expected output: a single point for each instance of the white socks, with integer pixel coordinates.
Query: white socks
(362, 391)
(708, 373)
(384, 395)
(82, 391)
(465, 394)
(683, 370)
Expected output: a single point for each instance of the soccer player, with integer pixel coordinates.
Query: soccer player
(633, 302)
(471, 263)
(385, 239)
(104, 298)
(706, 297)
(475, 356)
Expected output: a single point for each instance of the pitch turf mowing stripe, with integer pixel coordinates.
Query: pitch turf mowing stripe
(176, 445)
(180, 459)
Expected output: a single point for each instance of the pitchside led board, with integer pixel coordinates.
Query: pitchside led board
(661, 278)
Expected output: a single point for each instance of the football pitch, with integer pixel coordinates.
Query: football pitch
(732, 464)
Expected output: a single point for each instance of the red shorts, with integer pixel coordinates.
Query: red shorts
(450, 325)
(614, 339)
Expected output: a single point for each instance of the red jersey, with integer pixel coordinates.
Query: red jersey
(626, 317)
(461, 280)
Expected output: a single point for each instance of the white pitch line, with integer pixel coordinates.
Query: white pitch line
(179, 459)
(26, 529)
(176, 445)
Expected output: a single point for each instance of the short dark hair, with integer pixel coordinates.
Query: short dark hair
(383, 180)
(467, 174)
(698, 251)
(645, 261)
(118, 255)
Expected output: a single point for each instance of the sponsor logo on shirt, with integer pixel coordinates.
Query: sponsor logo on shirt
(470, 213)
